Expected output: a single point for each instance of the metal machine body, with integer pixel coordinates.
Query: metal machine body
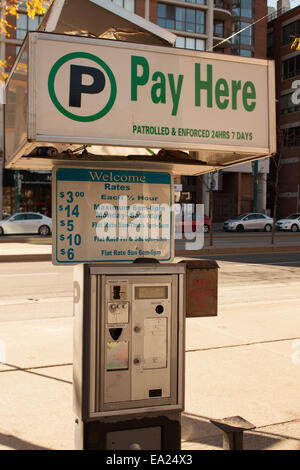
(129, 355)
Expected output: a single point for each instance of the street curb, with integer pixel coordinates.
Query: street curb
(21, 258)
(27, 239)
(238, 251)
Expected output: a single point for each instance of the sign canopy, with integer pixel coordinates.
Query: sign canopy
(103, 19)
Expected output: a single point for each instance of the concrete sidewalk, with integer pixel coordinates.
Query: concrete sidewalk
(36, 390)
(244, 362)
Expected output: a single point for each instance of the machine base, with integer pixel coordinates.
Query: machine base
(140, 433)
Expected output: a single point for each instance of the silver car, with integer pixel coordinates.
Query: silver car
(26, 222)
(291, 222)
(249, 221)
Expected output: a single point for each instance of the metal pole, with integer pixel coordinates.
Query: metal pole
(255, 190)
(211, 209)
(18, 189)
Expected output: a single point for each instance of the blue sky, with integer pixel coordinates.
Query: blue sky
(294, 3)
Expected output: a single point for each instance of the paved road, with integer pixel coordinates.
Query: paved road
(41, 290)
(233, 240)
(239, 363)
(35, 290)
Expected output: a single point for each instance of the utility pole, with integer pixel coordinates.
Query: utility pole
(211, 209)
(18, 190)
(255, 189)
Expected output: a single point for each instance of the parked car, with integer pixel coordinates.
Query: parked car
(190, 226)
(249, 221)
(291, 222)
(26, 222)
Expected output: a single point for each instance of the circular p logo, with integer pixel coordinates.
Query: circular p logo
(82, 86)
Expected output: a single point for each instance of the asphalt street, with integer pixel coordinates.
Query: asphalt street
(247, 239)
(243, 362)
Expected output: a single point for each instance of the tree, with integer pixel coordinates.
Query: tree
(9, 8)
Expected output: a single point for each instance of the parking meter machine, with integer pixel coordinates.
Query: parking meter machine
(129, 355)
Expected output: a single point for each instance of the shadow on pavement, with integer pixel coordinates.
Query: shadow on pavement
(30, 370)
(197, 429)
(14, 443)
(275, 259)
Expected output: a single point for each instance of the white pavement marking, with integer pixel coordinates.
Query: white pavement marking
(35, 300)
(256, 286)
(260, 302)
(28, 274)
(275, 263)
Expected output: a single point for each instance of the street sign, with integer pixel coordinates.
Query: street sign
(111, 215)
(108, 93)
(150, 96)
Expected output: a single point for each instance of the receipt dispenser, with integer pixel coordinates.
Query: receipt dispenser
(129, 355)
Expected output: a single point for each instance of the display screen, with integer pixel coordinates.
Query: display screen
(151, 292)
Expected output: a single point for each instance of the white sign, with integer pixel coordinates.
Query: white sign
(113, 93)
(105, 215)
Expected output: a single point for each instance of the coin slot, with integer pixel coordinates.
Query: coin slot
(116, 292)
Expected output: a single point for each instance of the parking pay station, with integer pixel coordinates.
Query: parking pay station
(129, 355)
(92, 109)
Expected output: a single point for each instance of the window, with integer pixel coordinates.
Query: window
(287, 106)
(219, 28)
(25, 24)
(181, 19)
(190, 43)
(289, 30)
(270, 39)
(244, 37)
(19, 217)
(197, 2)
(127, 4)
(291, 137)
(242, 8)
(33, 217)
(291, 67)
(224, 4)
(247, 8)
(242, 52)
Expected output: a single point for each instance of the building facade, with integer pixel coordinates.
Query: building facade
(202, 25)
(25, 190)
(205, 25)
(282, 29)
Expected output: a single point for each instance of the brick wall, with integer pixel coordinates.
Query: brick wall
(289, 176)
(260, 41)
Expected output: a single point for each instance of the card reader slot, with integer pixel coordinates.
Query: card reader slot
(115, 333)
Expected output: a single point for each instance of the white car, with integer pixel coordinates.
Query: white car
(249, 221)
(26, 222)
(292, 223)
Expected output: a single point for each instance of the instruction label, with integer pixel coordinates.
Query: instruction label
(111, 215)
